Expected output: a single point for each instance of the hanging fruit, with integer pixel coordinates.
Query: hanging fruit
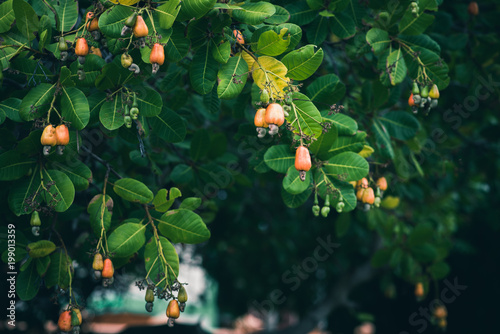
(316, 209)
(363, 183)
(62, 138)
(96, 51)
(149, 297)
(48, 138)
(76, 320)
(64, 322)
(382, 183)
(129, 24)
(93, 25)
(173, 312)
(260, 122)
(419, 289)
(411, 101)
(275, 117)
(302, 161)
(157, 57)
(325, 210)
(81, 47)
(440, 312)
(264, 97)
(434, 92)
(140, 27)
(98, 263)
(239, 36)
(368, 196)
(182, 297)
(35, 223)
(107, 269)
(473, 8)
(63, 46)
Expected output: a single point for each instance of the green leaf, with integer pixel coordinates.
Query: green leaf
(100, 211)
(92, 68)
(411, 25)
(7, 16)
(133, 191)
(111, 114)
(300, 13)
(346, 144)
(11, 108)
(254, 13)
(177, 46)
(221, 52)
(182, 174)
(58, 273)
(280, 16)
(342, 25)
(345, 125)
(194, 8)
(324, 142)
(422, 41)
(113, 20)
(40, 248)
(317, 31)
(45, 32)
(162, 203)
(294, 201)
(61, 190)
(77, 172)
(28, 283)
(42, 265)
(26, 19)
(400, 124)
(305, 113)
(436, 69)
(199, 144)
(292, 182)
(67, 14)
(378, 39)
(203, 71)
(272, 44)
(347, 166)
(127, 239)
(232, 78)
(14, 166)
(190, 203)
(149, 101)
(383, 140)
(75, 107)
(439, 270)
(36, 103)
(279, 158)
(183, 226)
(303, 63)
(327, 89)
(23, 190)
(396, 67)
(168, 13)
(154, 264)
(422, 233)
(168, 126)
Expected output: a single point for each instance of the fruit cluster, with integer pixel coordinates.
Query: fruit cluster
(103, 269)
(175, 306)
(423, 97)
(365, 193)
(54, 136)
(70, 320)
(132, 113)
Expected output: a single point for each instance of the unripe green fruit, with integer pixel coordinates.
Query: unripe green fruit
(130, 22)
(377, 202)
(325, 211)
(340, 206)
(150, 295)
(415, 90)
(315, 210)
(182, 296)
(264, 96)
(35, 219)
(62, 44)
(424, 92)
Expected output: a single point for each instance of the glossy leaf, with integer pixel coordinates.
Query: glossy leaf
(232, 78)
(203, 71)
(347, 166)
(58, 272)
(400, 124)
(183, 226)
(305, 116)
(279, 158)
(302, 63)
(327, 89)
(112, 21)
(292, 182)
(133, 190)
(100, 211)
(28, 283)
(75, 107)
(14, 166)
(168, 126)
(153, 261)
(61, 189)
(254, 13)
(36, 103)
(111, 114)
(127, 239)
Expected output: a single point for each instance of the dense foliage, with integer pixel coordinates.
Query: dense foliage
(159, 99)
